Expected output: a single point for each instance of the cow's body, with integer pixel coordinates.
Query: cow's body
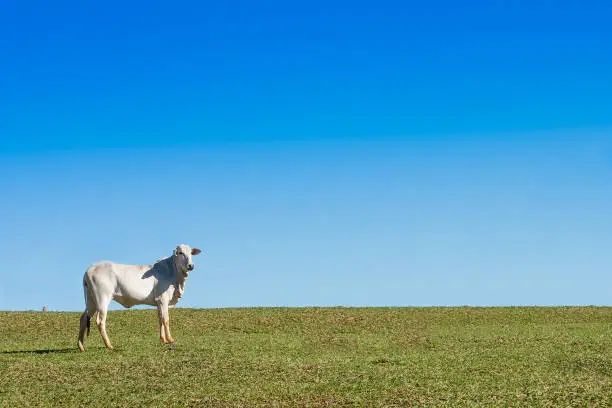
(161, 285)
(136, 284)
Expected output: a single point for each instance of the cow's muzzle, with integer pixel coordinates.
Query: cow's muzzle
(186, 269)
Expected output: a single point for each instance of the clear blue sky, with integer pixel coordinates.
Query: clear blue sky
(326, 153)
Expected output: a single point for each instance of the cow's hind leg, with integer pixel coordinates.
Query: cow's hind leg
(101, 322)
(83, 326)
(85, 320)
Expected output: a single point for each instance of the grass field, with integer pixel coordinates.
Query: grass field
(428, 357)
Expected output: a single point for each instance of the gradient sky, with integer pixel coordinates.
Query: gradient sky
(324, 153)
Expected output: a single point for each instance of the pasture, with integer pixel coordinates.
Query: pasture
(313, 357)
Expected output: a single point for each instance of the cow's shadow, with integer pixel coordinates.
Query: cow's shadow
(42, 351)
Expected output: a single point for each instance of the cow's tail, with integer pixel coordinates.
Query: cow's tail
(86, 309)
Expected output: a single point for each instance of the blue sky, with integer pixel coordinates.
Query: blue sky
(390, 153)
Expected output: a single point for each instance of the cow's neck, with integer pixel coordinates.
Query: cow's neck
(179, 278)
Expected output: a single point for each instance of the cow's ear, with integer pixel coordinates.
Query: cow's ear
(195, 251)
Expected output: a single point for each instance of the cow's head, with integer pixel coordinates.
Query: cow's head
(182, 258)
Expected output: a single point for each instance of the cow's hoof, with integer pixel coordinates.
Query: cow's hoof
(81, 347)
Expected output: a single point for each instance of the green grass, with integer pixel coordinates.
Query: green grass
(374, 357)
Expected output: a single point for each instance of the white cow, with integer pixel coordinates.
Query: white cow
(161, 285)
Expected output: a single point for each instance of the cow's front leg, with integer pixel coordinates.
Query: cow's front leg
(165, 323)
(160, 314)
